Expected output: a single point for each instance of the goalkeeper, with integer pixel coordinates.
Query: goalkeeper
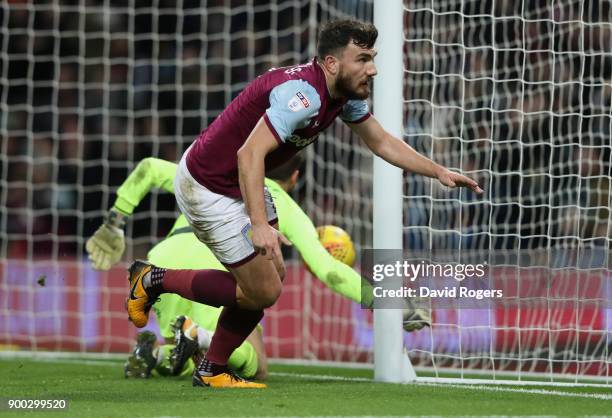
(181, 249)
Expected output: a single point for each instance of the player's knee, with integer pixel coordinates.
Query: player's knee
(269, 299)
(270, 295)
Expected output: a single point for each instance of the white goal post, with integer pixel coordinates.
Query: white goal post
(391, 364)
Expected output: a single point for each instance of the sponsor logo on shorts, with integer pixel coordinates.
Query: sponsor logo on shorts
(247, 233)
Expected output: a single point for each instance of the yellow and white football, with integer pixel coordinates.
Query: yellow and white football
(338, 243)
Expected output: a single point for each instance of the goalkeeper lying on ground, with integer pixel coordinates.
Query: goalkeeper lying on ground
(192, 323)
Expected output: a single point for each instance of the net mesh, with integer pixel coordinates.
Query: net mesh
(519, 95)
(90, 88)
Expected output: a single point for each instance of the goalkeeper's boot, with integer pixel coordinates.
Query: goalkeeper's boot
(140, 299)
(222, 377)
(142, 360)
(185, 343)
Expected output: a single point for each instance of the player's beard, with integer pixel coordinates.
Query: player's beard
(344, 87)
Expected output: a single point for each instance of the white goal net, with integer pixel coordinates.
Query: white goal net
(88, 89)
(519, 95)
(516, 93)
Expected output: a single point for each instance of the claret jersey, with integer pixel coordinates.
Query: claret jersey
(296, 106)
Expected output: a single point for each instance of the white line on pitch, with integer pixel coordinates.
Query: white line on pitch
(321, 377)
(491, 388)
(600, 396)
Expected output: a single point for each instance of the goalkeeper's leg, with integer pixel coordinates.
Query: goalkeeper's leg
(188, 325)
(255, 361)
(192, 341)
(143, 358)
(189, 340)
(164, 364)
(244, 360)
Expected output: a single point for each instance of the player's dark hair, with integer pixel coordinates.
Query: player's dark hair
(285, 170)
(335, 35)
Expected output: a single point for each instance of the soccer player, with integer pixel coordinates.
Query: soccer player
(181, 249)
(220, 185)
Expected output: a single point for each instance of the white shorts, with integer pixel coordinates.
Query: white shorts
(220, 222)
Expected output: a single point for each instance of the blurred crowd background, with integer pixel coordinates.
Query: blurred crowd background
(517, 93)
(92, 87)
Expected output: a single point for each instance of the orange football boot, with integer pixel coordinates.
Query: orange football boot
(225, 380)
(139, 302)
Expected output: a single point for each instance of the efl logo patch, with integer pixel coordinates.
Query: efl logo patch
(295, 105)
(303, 99)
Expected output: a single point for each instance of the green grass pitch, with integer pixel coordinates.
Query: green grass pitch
(98, 389)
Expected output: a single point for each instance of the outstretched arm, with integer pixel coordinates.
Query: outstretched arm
(299, 229)
(149, 173)
(397, 152)
(106, 246)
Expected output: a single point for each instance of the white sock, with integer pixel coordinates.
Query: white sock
(156, 356)
(204, 337)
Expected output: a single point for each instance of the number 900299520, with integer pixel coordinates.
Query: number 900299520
(9, 404)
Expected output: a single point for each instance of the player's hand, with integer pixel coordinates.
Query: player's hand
(267, 240)
(107, 244)
(452, 179)
(416, 315)
(415, 320)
